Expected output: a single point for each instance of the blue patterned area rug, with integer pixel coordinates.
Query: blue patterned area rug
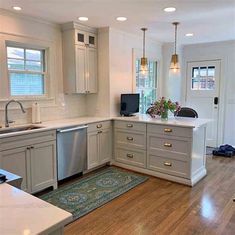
(87, 194)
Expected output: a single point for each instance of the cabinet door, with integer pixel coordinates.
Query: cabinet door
(105, 146)
(17, 162)
(92, 70)
(81, 69)
(43, 165)
(80, 37)
(92, 150)
(92, 40)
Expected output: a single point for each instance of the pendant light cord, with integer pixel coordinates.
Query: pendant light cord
(144, 29)
(144, 44)
(175, 35)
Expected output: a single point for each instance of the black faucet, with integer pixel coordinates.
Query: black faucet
(6, 111)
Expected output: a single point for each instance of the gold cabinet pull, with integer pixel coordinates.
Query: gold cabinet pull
(129, 125)
(167, 163)
(168, 145)
(168, 130)
(99, 126)
(130, 138)
(130, 155)
(99, 132)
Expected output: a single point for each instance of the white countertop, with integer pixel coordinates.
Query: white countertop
(63, 123)
(22, 213)
(172, 121)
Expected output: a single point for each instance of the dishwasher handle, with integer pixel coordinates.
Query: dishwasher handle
(72, 129)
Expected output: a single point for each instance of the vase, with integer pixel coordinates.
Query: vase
(164, 115)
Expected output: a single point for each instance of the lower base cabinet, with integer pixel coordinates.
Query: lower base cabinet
(43, 165)
(99, 144)
(16, 161)
(35, 162)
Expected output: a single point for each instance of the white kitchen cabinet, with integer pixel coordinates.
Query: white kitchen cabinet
(105, 146)
(169, 151)
(79, 59)
(92, 150)
(43, 165)
(99, 144)
(33, 157)
(17, 162)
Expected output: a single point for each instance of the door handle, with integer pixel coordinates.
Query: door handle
(216, 100)
(72, 129)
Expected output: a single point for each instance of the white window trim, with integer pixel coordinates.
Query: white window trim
(45, 73)
(50, 53)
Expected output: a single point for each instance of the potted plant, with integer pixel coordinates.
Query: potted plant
(161, 108)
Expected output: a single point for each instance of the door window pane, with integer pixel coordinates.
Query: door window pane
(203, 78)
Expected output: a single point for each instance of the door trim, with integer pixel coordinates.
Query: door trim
(222, 94)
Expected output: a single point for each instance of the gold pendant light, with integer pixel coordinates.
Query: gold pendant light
(144, 60)
(175, 58)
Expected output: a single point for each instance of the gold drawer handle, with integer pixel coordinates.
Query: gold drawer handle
(130, 155)
(168, 130)
(167, 164)
(129, 125)
(130, 138)
(168, 145)
(99, 132)
(99, 126)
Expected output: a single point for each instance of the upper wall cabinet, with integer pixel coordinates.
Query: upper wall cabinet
(79, 59)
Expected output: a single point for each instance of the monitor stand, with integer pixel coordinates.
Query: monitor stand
(128, 115)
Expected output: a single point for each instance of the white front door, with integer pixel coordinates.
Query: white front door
(203, 81)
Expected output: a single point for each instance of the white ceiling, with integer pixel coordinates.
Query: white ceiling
(209, 20)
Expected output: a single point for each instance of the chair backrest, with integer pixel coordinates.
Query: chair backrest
(186, 112)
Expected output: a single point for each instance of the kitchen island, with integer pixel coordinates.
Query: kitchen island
(22, 213)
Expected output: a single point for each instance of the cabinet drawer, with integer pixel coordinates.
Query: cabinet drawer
(169, 146)
(168, 166)
(98, 126)
(27, 139)
(130, 139)
(135, 158)
(170, 130)
(135, 126)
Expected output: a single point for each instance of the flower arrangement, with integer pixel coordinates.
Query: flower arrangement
(161, 108)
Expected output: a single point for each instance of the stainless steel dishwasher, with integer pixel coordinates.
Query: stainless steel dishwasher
(71, 151)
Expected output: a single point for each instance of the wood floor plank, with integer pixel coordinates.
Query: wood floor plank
(162, 207)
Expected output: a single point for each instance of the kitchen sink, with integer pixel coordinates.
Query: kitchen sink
(18, 129)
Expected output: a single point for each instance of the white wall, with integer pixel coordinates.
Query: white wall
(98, 104)
(172, 86)
(119, 66)
(225, 51)
(27, 28)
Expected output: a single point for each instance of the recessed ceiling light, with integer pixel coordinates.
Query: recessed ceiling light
(83, 18)
(17, 8)
(169, 9)
(189, 34)
(121, 18)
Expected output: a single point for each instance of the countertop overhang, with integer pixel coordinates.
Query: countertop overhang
(63, 123)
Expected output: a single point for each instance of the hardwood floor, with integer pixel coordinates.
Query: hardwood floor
(162, 207)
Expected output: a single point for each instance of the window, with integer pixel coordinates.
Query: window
(203, 78)
(146, 85)
(26, 71)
